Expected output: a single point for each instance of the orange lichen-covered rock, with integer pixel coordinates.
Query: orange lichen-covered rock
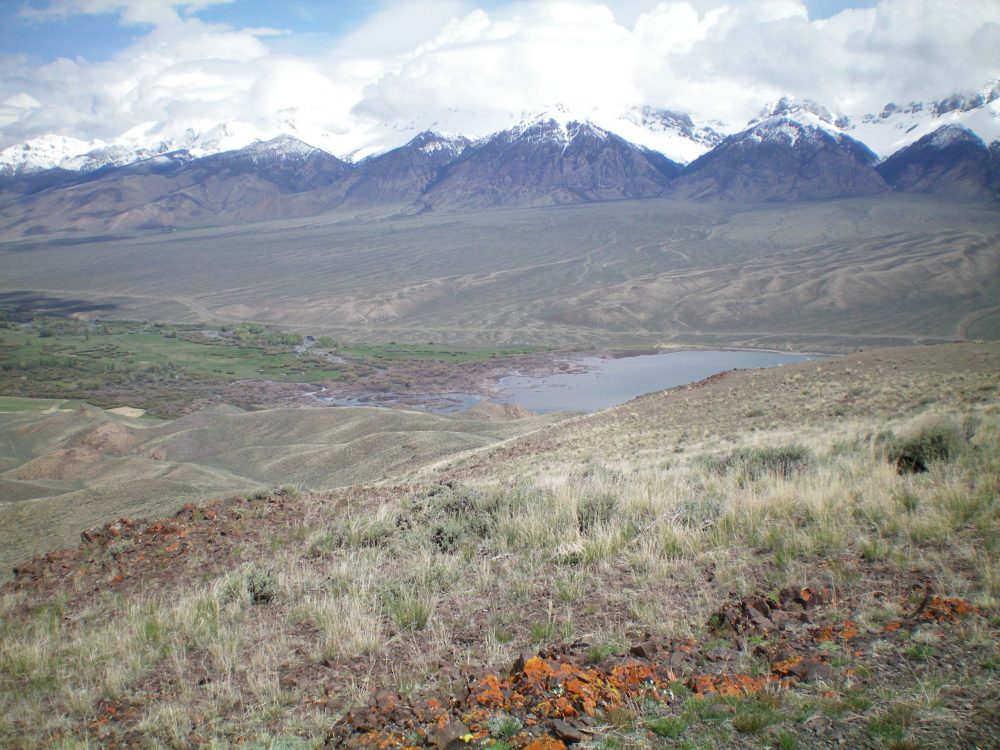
(728, 685)
(787, 666)
(536, 669)
(803, 668)
(584, 694)
(844, 631)
(545, 743)
(487, 691)
(943, 609)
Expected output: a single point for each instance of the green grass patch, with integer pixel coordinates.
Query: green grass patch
(668, 726)
(431, 352)
(893, 725)
(159, 367)
(18, 404)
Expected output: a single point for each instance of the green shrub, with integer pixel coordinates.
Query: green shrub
(594, 509)
(752, 463)
(754, 717)
(262, 585)
(603, 649)
(892, 726)
(504, 726)
(409, 607)
(668, 726)
(360, 531)
(914, 449)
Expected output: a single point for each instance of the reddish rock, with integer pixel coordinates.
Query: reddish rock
(451, 736)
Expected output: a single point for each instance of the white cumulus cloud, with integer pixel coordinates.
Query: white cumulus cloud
(458, 66)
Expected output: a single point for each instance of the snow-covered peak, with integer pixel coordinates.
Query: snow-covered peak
(784, 129)
(44, 152)
(199, 138)
(950, 135)
(897, 126)
(431, 142)
(553, 125)
(283, 146)
(966, 101)
(136, 144)
(558, 113)
(674, 134)
(196, 138)
(806, 131)
(804, 110)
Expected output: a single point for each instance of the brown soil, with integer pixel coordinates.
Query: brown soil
(109, 438)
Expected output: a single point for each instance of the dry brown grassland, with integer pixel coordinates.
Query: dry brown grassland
(639, 520)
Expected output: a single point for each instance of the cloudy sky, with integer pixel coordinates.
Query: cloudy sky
(97, 68)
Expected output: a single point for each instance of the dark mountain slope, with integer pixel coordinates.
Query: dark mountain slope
(403, 174)
(268, 180)
(780, 159)
(950, 161)
(547, 163)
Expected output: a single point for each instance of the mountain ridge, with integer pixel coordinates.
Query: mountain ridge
(951, 160)
(796, 151)
(677, 134)
(781, 159)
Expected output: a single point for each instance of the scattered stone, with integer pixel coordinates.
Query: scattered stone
(727, 685)
(386, 700)
(646, 650)
(361, 720)
(565, 731)
(452, 736)
(804, 668)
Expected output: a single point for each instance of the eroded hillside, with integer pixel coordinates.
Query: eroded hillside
(751, 561)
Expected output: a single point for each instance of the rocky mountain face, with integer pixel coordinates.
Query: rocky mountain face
(952, 160)
(781, 159)
(540, 163)
(263, 181)
(993, 175)
(401, 176)
(287, 163)
(546, 162)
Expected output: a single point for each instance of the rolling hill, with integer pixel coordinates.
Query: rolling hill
(832, 275)
(65, 469)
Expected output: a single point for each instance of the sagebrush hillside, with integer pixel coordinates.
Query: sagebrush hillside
(65, 467)
(797, 557)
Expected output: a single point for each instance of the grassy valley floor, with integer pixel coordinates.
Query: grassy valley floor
(799, 557)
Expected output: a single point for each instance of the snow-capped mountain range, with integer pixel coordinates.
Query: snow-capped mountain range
(795, 150)
(676, 135)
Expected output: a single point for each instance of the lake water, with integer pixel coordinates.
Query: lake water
(611, 381)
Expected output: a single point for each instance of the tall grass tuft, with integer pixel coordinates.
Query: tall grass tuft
(921, 443)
